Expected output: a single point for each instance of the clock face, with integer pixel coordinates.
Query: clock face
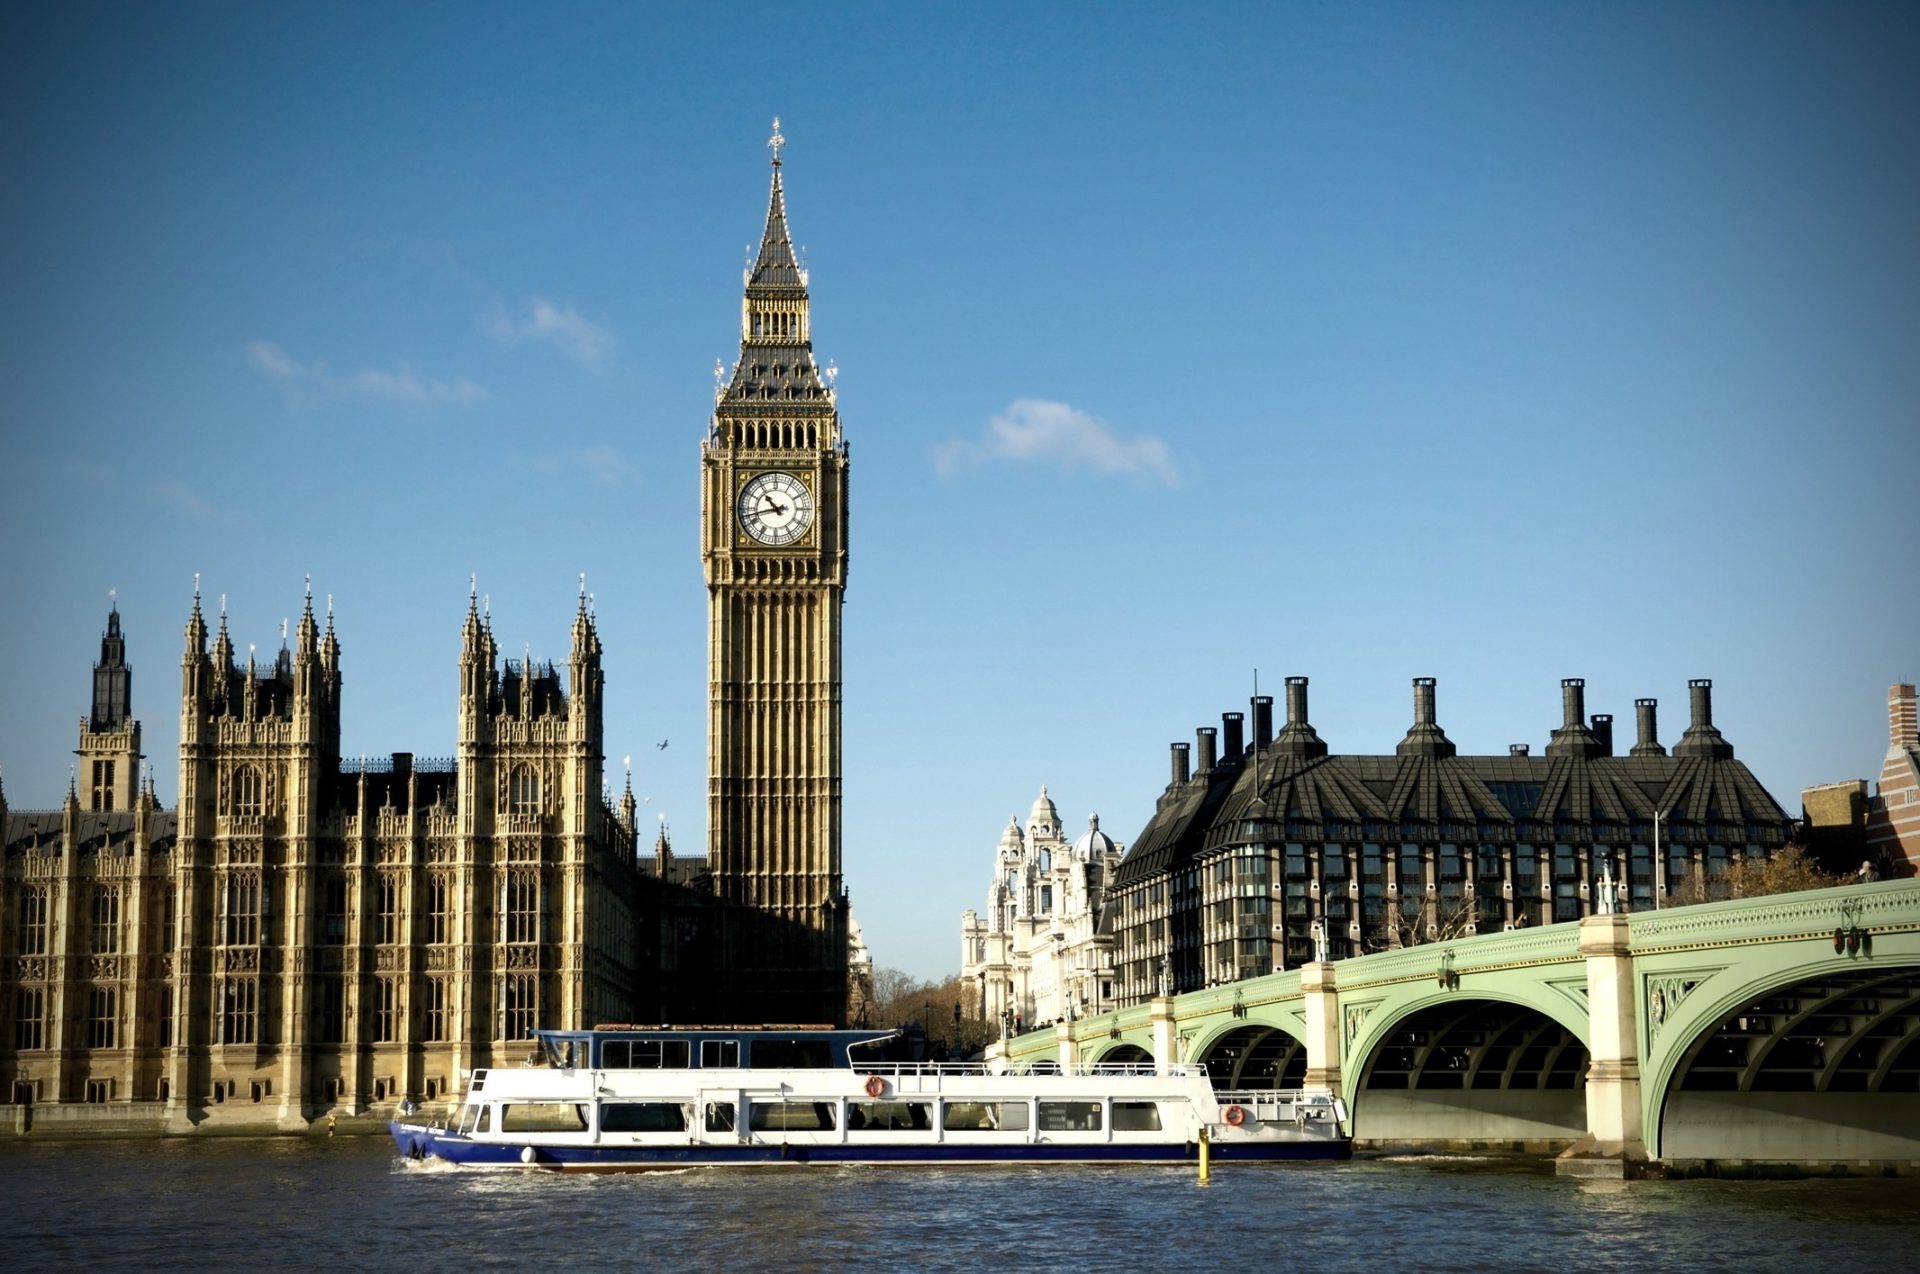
(776, 508)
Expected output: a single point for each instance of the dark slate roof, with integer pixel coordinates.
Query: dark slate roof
(23, 830)
(1499, 793)
(776, 268)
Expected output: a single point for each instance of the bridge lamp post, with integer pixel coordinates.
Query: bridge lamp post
(1659, 861)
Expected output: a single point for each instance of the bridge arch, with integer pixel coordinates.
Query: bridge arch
(1815, 1060)
(1470, 1069)
(1251, 1055)
(1123, 1054)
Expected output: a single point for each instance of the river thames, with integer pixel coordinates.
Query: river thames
(350, 1204)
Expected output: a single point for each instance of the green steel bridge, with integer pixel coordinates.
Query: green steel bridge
(1782, 1029)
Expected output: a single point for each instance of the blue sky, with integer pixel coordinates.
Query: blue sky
(1493, 343)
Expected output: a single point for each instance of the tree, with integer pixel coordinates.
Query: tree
(1789, 871)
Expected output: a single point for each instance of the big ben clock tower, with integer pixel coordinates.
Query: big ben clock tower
(773, 538)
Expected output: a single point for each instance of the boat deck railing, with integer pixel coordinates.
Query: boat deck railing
(1069, 1069)
(1282, 1103)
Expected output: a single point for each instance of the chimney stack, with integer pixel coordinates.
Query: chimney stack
(1262, 720)
(1425, 738)
(1233, 727)
(1648, 727)
(1701, 739)
(1204, 744)
(1181, 772)
(1601, 725)
(1298, 738)
(1903, 723)
(1573, 700)
(1573, 738)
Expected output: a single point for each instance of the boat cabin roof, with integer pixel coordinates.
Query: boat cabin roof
(692, 1047)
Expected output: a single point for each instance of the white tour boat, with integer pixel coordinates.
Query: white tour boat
(617, 1099)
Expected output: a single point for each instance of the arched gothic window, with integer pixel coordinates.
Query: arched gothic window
(249, 791)
(523, 791)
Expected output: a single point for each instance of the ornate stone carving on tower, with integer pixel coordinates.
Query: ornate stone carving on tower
(773, 540)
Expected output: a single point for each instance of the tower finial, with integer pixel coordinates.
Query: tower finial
(113, 600)
(223, 608)
(329, 610)
(776, 141)
(309, 590)
(583, 591)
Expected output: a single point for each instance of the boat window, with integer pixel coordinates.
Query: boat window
(1136, 1116)
(486, 1120)
(543, 1116)
(1069, 1116)
(986, 1116)
(720, 1053)
(719, 1115)
(644, 1054)
(643, 1116)
(790, 1116)
(792, 1054)
(889, 1116)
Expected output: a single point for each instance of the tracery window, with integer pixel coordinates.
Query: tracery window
(239, 1010)
(520, 908)
(330, 1011)
(435, 1018)
(102, 794)
(102, 1016)
(386, 1009)
(249, 791)
(29, 1018)
(33, 920)
(523, 791)
(240, 909)
(389, 907)
(333, 914)
(106, 920)
(519, 1006)
(439, 910)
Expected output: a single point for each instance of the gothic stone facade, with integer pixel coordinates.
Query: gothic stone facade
(1258, 855)
(304, 933)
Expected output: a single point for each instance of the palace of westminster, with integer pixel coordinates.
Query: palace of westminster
(306, 934)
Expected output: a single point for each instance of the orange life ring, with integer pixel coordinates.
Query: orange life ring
(875, 1086)
(1235, 1116)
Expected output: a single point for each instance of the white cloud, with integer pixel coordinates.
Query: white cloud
(270, 359)
(181, 499)
(404, 386)
(608, 467)
(1039, 431)
(275, 363)
(602, 464)
(565, 328)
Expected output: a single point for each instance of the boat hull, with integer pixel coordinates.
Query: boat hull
(417, 1141)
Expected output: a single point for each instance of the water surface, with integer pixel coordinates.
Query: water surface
(349, 1204)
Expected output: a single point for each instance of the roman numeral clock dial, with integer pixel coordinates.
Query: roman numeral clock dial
(776, 509)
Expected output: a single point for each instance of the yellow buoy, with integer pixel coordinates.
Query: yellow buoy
(1206, 1155)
